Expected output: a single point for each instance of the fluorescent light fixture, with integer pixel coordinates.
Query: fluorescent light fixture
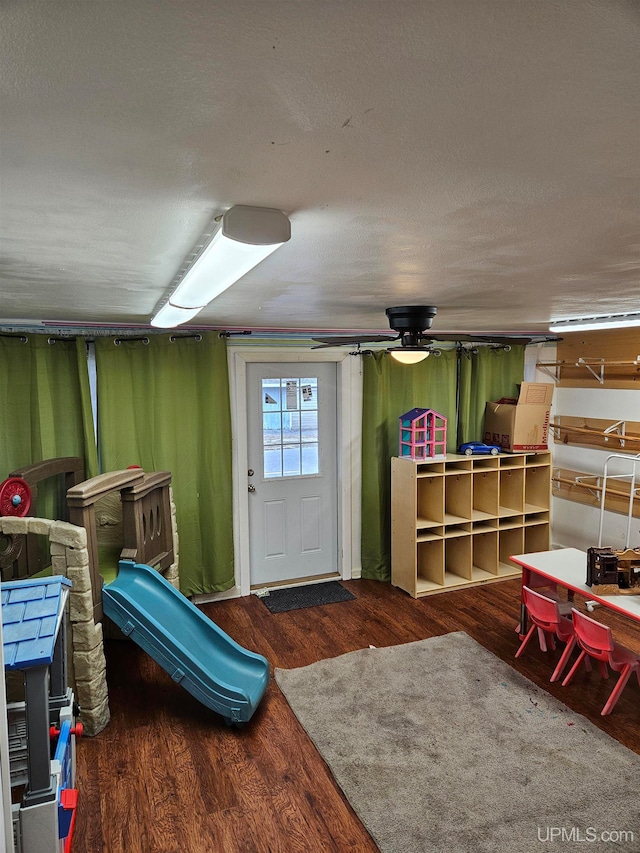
(170, 316)
(247, 235)
(605, 321)
(405, 355)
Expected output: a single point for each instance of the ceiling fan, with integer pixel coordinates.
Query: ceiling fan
(411, 322)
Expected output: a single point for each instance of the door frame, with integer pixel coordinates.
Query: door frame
(349, 447)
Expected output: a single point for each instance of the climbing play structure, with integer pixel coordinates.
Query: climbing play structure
(146, 530)
(43, 604)
(141, 597)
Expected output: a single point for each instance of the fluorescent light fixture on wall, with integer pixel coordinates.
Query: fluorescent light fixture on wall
(246, 236)
(587, 324)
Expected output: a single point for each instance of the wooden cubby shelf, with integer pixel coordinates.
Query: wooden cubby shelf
(455, 522)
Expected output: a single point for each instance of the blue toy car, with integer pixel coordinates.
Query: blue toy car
(471, 448)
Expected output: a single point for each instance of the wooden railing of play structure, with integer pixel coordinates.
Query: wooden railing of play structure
(146, 520)
(147, 533)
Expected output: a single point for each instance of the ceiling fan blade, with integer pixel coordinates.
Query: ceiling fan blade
(513, 340)
(351, 340)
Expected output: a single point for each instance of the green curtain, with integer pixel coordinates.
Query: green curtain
(46, 402)
(164, 405)
(486, 375)
(389, 390)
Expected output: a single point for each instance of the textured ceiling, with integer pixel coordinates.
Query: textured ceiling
(482, 156)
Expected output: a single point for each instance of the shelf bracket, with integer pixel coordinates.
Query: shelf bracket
(594, 488)
(600, 377)
(551, 369)
(579, 480)
(617, 429)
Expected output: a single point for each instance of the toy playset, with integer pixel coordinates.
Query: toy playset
(146, 533)
(148, 592)
(144, 604)
(611, 572)
(42, 728)
(423, 435)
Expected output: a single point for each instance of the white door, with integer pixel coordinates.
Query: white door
(292, 472)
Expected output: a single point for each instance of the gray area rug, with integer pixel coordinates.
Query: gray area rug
(440, 746)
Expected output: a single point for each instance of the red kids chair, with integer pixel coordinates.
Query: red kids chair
(550, 590)
(596, 640)
(547, 620)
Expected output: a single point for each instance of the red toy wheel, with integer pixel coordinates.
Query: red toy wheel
(15, 497)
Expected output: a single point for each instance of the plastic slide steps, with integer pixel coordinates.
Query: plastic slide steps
(190, 647)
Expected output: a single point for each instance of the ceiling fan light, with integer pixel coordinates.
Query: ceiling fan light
(409, 356)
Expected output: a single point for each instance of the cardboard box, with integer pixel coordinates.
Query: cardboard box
(521, 424)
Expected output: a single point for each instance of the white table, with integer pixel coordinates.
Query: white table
(568, 568)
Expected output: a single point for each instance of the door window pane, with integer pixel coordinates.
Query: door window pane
(290, 427)
(310, 458)
(309, 427)
(291, 460)
(273, 462)
(271, 428)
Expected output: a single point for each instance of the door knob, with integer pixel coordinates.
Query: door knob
(251, 487)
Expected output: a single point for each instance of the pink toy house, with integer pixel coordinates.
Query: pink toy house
(423, 434)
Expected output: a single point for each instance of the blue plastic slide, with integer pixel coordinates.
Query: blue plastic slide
(190, 647)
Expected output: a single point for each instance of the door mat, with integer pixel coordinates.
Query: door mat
(313, 595)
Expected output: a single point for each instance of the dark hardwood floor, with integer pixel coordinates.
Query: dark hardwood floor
(167, 775)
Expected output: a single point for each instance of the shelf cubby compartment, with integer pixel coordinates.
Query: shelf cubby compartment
(538, 460)
(509, 542)
(429, 534)
(429, 469)
(536, 518)
(485, 526)
(485, 555)
(536, 538)
(426, 523)
(452, 530)
(511, 491)
(431, 499)
(457, 560)
(486, 492)
(537, 489)
(484, 463)
(458, 464)
(507, 461)
(430, 566)
(458, 497)
(508, 522)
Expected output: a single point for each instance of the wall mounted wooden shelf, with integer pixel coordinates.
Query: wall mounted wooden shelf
(585, 488)
(605, 358)
(597, 432)
(596, 367)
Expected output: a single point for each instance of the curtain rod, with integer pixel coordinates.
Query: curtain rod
(22, 338)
